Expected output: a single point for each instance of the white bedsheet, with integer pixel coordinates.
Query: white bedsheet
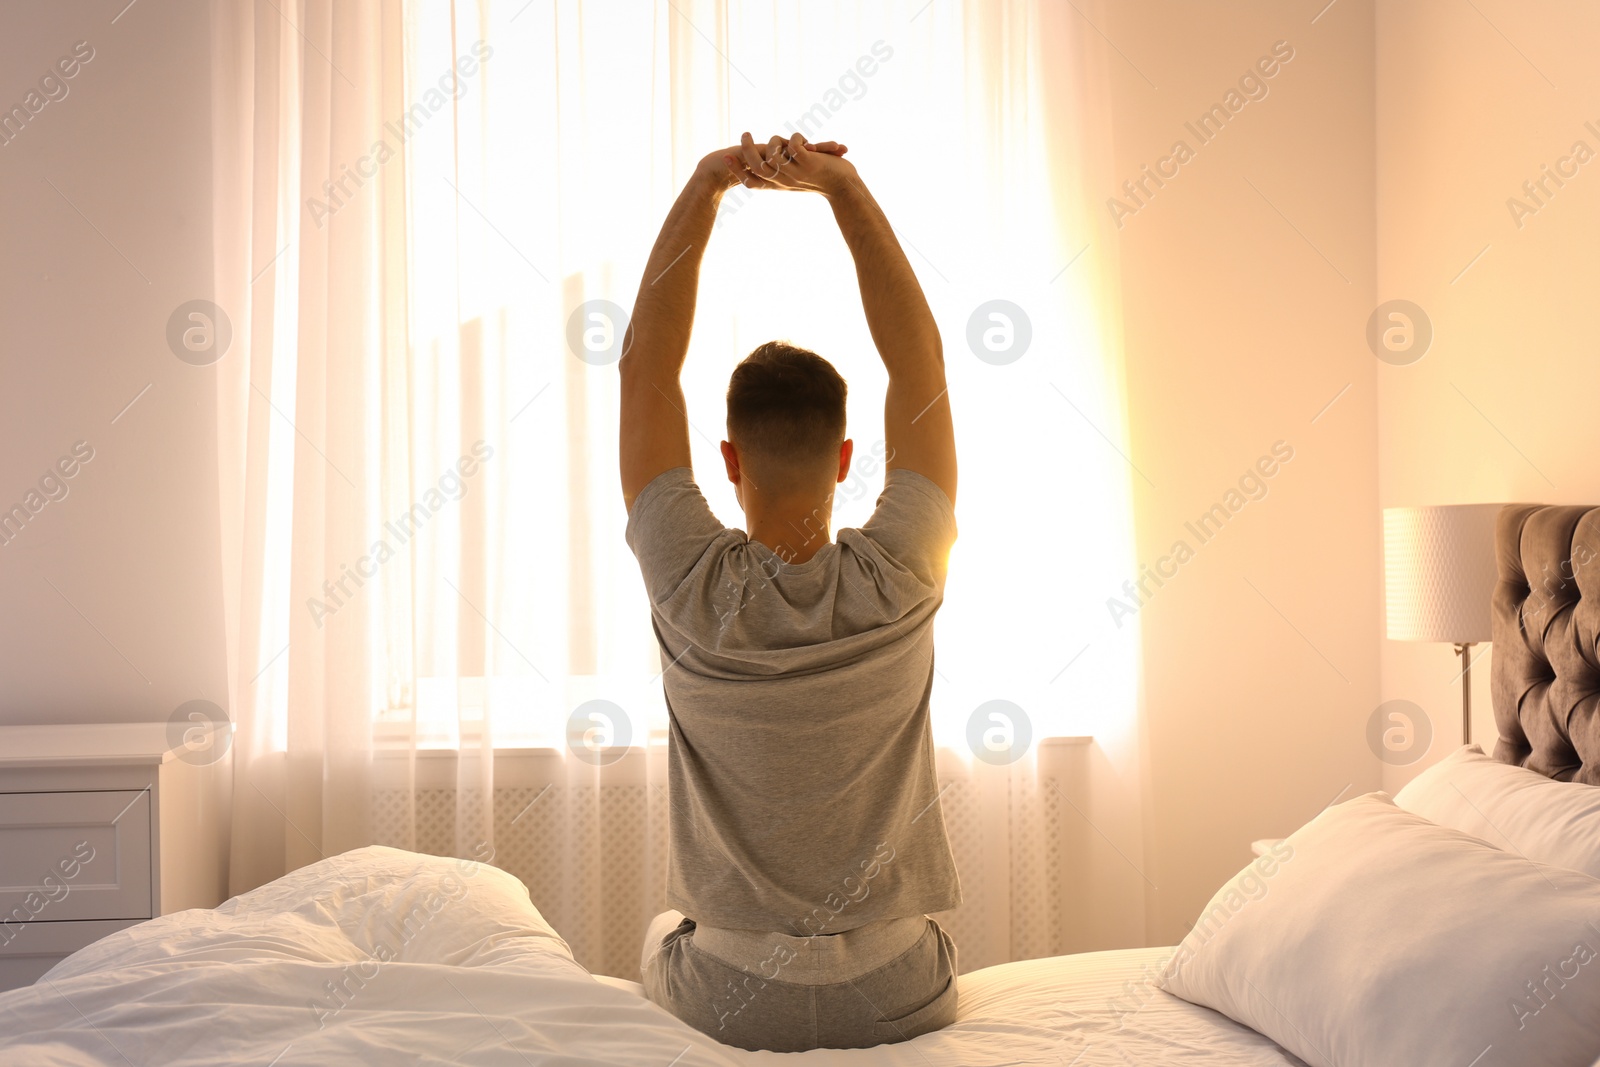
(317, 968)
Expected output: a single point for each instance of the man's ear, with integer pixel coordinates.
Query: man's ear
(846, 450)
(730, 459)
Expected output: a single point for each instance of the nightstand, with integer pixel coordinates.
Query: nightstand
(102, 827)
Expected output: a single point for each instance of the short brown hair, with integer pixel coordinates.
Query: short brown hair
(786, 404)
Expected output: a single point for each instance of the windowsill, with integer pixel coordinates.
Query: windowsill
(401, 751)
(393, 748)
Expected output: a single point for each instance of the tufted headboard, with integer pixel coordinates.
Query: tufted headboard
(1545, 675)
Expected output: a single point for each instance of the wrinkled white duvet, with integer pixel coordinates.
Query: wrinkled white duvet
(381, 956)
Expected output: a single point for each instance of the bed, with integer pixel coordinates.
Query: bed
(382, 956)
(320, 967)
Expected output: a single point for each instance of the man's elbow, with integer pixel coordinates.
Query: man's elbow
(627, 361)
(930, 351)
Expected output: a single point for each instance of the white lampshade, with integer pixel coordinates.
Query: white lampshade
(1439, 572)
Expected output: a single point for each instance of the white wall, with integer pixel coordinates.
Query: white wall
(111, 594)
(1388, 148)
(1470, 107)
(1247, 281)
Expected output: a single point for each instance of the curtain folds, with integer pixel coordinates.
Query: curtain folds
(297, 92)
(437, 636)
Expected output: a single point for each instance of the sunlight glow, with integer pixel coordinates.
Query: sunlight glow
(544, 185)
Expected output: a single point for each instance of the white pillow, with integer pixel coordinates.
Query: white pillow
(1376, 938)
(1510, 807)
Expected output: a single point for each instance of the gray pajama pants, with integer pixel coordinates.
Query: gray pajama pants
(884, 982)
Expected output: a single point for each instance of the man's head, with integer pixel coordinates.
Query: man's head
(786, 409)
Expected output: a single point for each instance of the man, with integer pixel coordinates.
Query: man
(807, 841)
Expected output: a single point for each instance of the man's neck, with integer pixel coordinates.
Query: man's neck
(795, 529)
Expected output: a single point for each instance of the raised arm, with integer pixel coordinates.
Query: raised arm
(916, 416)
(917, 423)
(655, 423)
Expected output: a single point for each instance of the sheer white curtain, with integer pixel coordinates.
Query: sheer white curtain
(439, 638)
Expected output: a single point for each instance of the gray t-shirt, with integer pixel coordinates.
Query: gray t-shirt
(800, 756)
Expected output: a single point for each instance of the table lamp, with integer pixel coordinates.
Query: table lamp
(1439, 575)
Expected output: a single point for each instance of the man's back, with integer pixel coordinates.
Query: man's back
(807, 840)
(804, 798)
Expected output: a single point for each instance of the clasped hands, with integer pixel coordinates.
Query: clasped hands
(791, 163)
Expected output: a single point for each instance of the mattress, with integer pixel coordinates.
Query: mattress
(383, 956)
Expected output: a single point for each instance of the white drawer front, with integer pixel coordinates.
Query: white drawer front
(34, 948)
(67, 856)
